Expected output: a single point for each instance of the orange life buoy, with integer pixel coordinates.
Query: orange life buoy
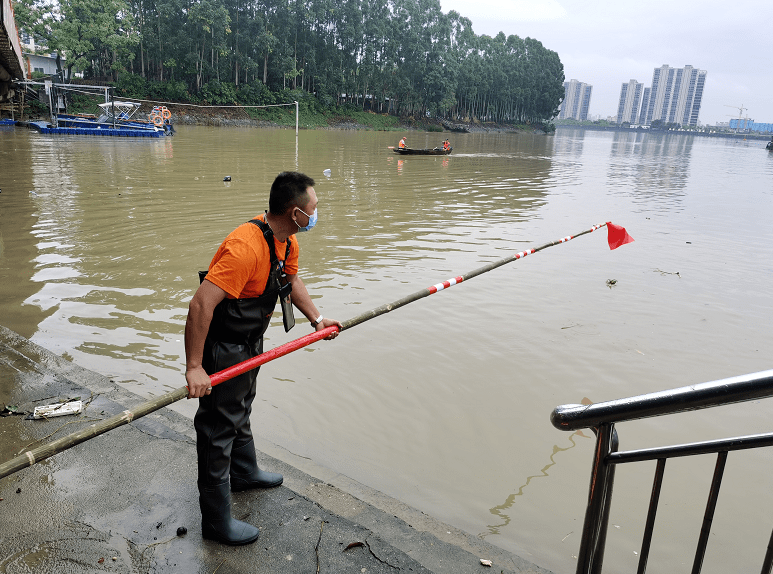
(166, 113)
(157, 120)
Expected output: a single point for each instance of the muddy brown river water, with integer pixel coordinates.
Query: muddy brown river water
(444, 403)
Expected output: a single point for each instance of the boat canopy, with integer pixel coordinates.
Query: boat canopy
(130, 105)
(123, 110)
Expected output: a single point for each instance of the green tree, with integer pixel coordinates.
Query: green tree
(404, 57)
(93, 35)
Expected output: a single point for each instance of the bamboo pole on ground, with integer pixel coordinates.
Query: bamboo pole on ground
(43, 452)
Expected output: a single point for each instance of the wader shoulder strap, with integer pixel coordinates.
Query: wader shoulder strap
(277, 271)
(268, 235)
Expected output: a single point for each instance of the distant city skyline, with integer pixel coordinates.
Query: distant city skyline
(606, 43)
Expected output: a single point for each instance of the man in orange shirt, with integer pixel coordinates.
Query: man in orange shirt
(227, 318)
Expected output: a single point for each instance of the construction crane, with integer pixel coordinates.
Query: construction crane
(740, 109)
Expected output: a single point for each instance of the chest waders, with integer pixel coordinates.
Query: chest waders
(224, 442)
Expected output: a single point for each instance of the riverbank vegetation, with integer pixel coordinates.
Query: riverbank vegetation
(401, 58)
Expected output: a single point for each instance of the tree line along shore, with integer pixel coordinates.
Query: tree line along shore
(401, 59)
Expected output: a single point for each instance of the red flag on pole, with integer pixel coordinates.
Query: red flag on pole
(617, 235)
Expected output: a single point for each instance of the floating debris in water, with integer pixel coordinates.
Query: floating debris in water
(611, 283)
(182, 531)
(486, 562)
(227, 178)
(668, 273)
(327, 172)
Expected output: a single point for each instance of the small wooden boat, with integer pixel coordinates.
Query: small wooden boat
(433, 151)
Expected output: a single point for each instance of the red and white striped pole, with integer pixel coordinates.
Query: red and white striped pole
(614, 240)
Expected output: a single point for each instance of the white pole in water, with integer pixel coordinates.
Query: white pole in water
(296, 119)
(50, 91)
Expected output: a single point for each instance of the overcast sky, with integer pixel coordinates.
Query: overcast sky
(608, 42)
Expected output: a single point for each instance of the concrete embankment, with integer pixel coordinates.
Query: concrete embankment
(116, 502)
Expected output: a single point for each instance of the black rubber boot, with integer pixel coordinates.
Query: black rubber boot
(245, 473)
(216, 521)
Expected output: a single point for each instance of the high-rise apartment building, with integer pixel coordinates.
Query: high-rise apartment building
(630, 96)
(576, 100)
(645, 102)
(675, 95)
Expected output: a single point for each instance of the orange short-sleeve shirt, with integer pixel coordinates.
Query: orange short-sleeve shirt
(242, 263)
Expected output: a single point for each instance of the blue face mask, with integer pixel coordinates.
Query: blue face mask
(312, 220)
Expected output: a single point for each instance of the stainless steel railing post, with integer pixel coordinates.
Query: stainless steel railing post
(598, 500)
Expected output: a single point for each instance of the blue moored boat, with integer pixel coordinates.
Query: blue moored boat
(116, 119)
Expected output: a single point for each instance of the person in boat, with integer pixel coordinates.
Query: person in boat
(227, 317)
(446, 145)
(402, 145)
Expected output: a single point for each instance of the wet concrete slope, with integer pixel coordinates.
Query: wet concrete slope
(116, 502)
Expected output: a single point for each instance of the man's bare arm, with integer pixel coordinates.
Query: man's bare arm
(302, 300)
(200, 310)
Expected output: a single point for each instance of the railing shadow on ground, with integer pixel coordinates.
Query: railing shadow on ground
(602, 417)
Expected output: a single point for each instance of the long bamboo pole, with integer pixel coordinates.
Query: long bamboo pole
(43, 452)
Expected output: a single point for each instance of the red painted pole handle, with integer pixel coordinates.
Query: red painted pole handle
(263, 358)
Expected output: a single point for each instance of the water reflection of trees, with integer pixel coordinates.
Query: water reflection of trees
(650, 166)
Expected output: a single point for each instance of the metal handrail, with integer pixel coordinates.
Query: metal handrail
(694, 397)
(601, 418)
